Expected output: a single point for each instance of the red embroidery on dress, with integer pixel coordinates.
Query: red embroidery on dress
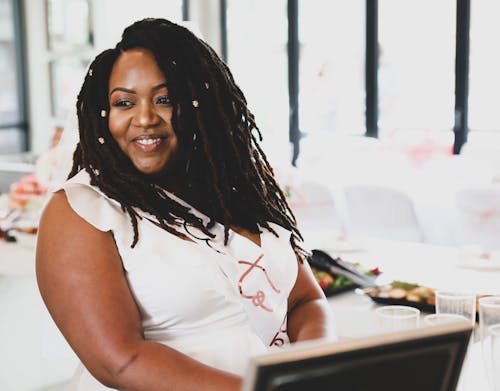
(279, 341)
(259, 298)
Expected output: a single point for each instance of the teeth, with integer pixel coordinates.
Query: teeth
(148, 141)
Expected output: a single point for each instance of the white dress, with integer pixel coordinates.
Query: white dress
(218, 304)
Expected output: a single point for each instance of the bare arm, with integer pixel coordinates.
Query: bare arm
(309, 314)
(82, 282)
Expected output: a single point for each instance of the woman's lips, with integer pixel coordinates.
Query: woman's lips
(148, 143)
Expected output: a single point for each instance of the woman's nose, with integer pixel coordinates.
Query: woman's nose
(146, 115)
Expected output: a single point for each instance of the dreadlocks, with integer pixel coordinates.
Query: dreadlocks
(228, 176)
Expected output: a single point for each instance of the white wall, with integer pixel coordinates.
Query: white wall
(110, 17)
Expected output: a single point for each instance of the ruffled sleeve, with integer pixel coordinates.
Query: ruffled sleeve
(92, 205)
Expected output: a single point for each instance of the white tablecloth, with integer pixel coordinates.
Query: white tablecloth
(18, 259)
(33, 353)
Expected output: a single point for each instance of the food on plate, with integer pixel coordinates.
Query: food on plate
(397, 293)
(20, 208)
(405, 293)
(324, 279)
(401, 290)
(27, 194)
(330, 282)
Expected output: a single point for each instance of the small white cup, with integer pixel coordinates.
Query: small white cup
(397, 317)
(489, 319)
(494, 331)
(457, 303)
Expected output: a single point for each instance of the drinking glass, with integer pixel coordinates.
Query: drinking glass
(457, 303)
(435, 319)
(397, 317)
(494, 331)
(489, 316)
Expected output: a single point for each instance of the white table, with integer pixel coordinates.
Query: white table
(18, 259)
(33, 354)
(430, 265)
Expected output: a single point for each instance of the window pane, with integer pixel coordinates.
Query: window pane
(257, 34)
(69, 25)
(11, 141)
(484, 76)
(332, 51)
(9, 98)
(66, 77)
(416, 65)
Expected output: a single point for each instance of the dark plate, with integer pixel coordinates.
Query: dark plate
(336, 291)
(424, 307)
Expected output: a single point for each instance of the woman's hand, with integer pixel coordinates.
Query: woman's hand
(82, 281)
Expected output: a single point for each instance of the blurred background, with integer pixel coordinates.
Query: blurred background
(380, 117)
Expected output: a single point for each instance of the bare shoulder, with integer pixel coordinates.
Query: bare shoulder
(67, 243)
(57, 211)
(62, 229)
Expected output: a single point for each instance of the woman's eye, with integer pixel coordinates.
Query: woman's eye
(163, 100)
(122, 103)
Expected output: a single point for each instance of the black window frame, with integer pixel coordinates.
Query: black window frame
(185, 10)
(223, 28)
(293, 47)
(461, 127)
(371, 69)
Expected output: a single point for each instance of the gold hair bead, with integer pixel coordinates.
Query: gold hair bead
(174, 63)
(90, 72)
(103, 113)
(101, 140)
(207, 85)
(195, 103)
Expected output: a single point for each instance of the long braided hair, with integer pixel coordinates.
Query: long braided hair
(227, 175)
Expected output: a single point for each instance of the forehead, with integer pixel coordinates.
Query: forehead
(135, 67)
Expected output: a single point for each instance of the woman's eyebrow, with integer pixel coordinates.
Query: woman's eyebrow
(123, 89)
(159, 87)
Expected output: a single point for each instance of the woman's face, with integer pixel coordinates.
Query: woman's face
(140, 117)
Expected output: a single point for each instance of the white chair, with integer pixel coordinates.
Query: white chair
(314, 207)
(478, 214)
(484, 146)
(381, 212)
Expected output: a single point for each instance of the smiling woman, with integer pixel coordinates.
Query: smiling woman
(140, 118)
(170, 256)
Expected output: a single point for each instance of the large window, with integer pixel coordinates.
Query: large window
(484, 77)
(12, 114)
(331, 82)
(415, 57)
(257, 56)
(416, 74)
(381, 68)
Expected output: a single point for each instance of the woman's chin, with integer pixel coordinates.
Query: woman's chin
(151, 166)
(150, 170)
